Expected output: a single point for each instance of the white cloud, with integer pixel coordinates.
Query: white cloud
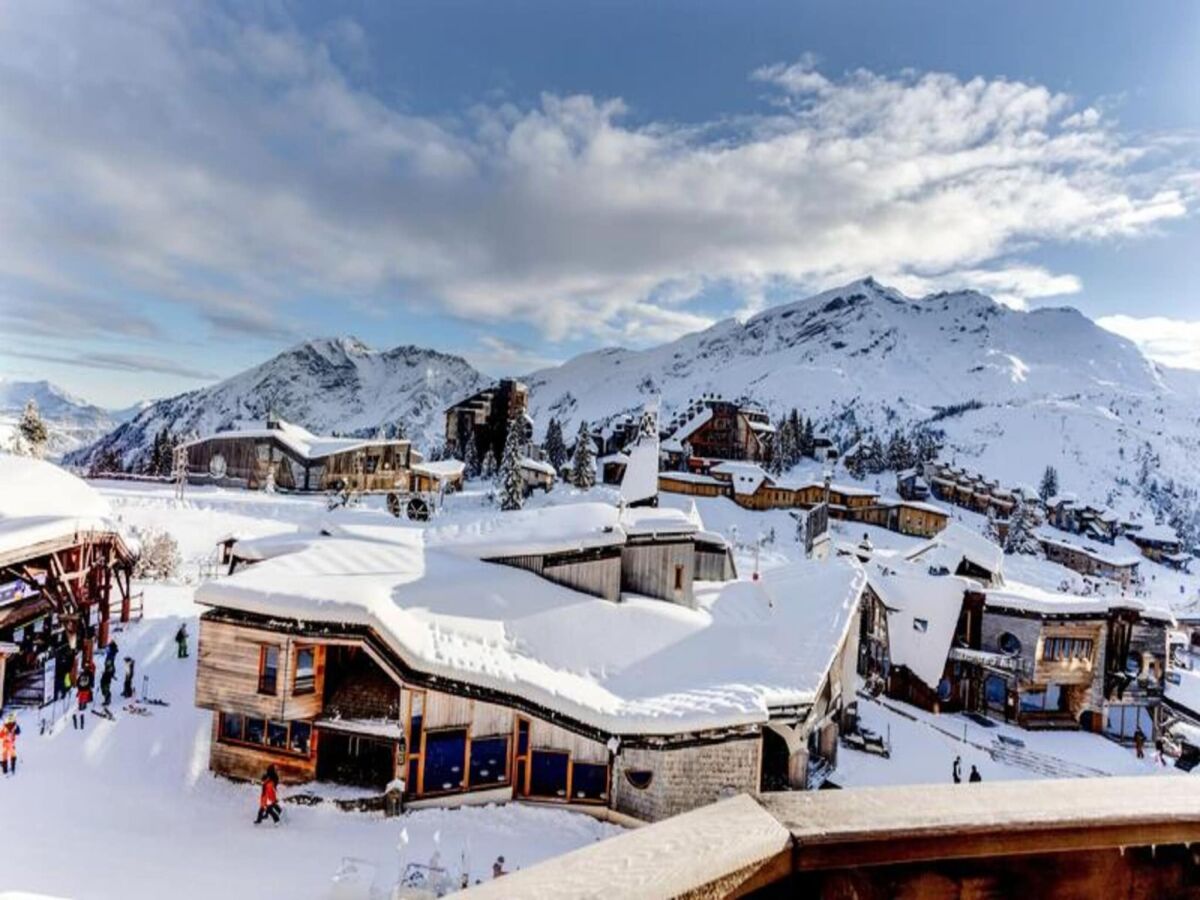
(1173, 342)
(232, 167)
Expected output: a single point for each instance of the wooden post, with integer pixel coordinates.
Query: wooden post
(125, 594)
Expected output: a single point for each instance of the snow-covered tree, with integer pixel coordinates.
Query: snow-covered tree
(555, 447)
(583, 464)
(512, 485)
(785, 442)
(1049, 486)
(991, 530)
(32, 430)
(899, 453)
(159, 559)
(471, 458)
(487, 469)
(1021, 527)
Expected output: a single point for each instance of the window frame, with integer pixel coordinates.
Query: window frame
(264, 650)
(263, 746)
(302, 687)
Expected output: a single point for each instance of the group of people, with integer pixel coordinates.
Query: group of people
(956, 772)
(1139, 745)
(87, 678)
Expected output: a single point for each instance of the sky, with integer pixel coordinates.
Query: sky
(187, 189)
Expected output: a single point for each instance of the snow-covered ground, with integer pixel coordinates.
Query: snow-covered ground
(128, 809)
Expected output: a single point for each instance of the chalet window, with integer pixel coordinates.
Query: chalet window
(639, 778)
(679, 578)
(414, 722)
(370, 464)
(589, 782)
(1010, 644)
(277, 735)
(268, 669)
(445, 752)
(300, 738)
(305, 682)
(548, 774)
(489, 760)
(255, 731)
(231, 727)
(284, 737)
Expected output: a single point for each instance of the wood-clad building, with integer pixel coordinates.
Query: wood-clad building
(342, 697)
(290, 458)
(484, 418)
(713, 428)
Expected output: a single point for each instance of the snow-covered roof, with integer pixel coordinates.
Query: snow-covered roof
(692, 425)
(956, 543)
(1159, 534)
(922, 615)
(618, 457)
(41, 502)
(440, 468)
(914, 504)
(1029, 598)
(536, 465)
(1110, 555)
(300, 440)
(640, 666)
(1187, 692)
(692, 478)
(745, 477)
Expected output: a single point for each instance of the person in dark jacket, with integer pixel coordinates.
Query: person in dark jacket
(106, 680)
(1139, 742)
(956, 771)
(975, 776)
(83, 692)
(110, 653)
(268, 798)
(181, 637)
(127, 687)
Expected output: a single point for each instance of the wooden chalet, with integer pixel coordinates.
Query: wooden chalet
(713, 428)
(1161, 544)
(537, 475)
(65, 574)
(1089, 558)
(485, 416)
(970, 490)
(437, 476)
(290, 458)
(311, 673)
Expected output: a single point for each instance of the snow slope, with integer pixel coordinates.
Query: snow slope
(326, 385)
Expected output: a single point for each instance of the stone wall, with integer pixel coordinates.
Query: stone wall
(685, 778)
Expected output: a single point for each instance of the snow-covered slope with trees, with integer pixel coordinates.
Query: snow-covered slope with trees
(1013, 391)
(70, 422)
(329, 385)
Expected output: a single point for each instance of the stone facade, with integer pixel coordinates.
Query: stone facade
(685, 778)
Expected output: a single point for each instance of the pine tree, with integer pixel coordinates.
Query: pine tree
(555, 447)
(399, 432)
(487, 469)
(786, 450)
(874, 458)
(808, 440)
(899, 452)
(33, 430)
(1021, 526)
(991, 530)
(471, 458)
(512, 484)
(797, 438)
(1049, 486)
(583, 464)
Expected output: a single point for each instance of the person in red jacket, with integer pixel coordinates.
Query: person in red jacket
(8, 744)
(268, 799)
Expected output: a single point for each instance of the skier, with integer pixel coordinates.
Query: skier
(8, 744)
(106, 680)
(956, 773)
(975, 776)
(83, 691)
(1139, 742)
(498, 867)
(127, 687)
(110, 653)
(181, 637)
(268, 800)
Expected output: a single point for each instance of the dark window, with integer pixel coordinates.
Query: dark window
(268, 669)
(679, 578)
(231, 726)
(1010, 644)
(370, 464)
(414, 769)
(414, 727)
(256, 730)
(306, 678)
(589, 781)
(519, 775)
(639, 778)
(277, 735)
(522, 737)
(445, 752)
(548, 774)
(301, 736)
(489, 761)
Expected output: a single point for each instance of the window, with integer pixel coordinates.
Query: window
(268, 669)
(445, 752)
(1063, 649)
(639, 778)
(679, 578)
(1010, 644)
(489, 761)
(921, 625)
(414, 722)
(285, 737)
(548, 774)
(589, 782)
(370, 464)
(306, 679)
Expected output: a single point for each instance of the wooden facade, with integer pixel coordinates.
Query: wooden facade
(254, 459)
(484, 418)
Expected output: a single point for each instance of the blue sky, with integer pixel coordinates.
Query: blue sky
(186, 189)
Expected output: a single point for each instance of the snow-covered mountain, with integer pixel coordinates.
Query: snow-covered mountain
(1050, 386)
(328, 385)
(70, 421)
